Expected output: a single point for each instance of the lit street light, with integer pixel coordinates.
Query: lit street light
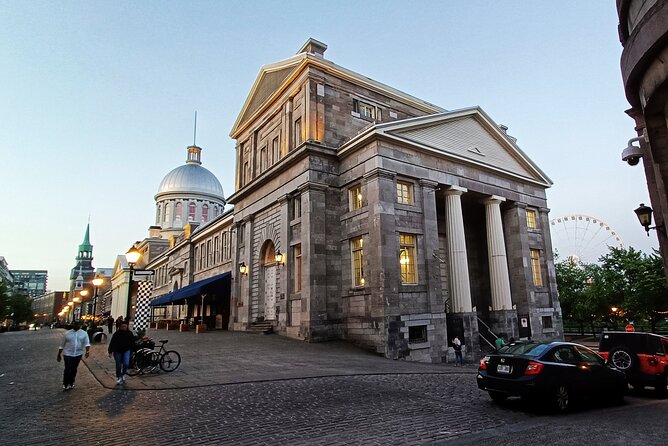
(132, 257)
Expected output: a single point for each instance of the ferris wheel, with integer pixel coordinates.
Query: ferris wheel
(579, 237)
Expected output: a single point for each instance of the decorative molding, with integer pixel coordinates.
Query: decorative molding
(428, 183)
(379, 172)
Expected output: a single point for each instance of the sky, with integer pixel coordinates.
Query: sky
(97, 100)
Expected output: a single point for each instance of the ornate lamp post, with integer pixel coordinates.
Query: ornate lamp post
(132, 256)
(97, 283)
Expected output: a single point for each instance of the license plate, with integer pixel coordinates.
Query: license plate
(503, 368)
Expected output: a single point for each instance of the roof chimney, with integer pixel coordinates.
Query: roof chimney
(314, 47)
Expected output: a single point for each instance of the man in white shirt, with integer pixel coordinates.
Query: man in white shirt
(72, 348)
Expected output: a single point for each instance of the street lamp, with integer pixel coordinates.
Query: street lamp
(279, 257)
(97, 283)
(132, 257)
(644, 214)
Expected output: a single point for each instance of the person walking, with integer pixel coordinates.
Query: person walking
(120, 346)
(71, 350)
(457, 346)
(110, 324)
(119, 321)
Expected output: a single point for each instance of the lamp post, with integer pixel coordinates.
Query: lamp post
(644, 214)
(97, 283)
(132, 256)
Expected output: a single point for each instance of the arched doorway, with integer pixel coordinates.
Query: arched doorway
(268, 279)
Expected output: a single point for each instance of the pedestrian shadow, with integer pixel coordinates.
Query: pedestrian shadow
(114, 403)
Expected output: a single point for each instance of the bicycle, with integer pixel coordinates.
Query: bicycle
(147, 360)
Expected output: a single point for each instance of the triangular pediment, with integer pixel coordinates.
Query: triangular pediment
(468, 135)
(267, 83)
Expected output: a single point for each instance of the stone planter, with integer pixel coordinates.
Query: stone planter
(201, 328)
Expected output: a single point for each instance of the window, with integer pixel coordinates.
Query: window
(565, 355)
(417, 334)
(407, 258)
(205, 213)
(355, 198)
(356, 247)
(535, 267)
(215, 211)
(242, 231)
(296, 206)
(364, 110)
(297, 262)
(202, 256)
(192, 208)
(209, 254)
(404, 192)
(298, 132)
(216, 249)
(164, 212)
(197, 267)
(263, 159)
(178, 211)
(246, 173)
(547, 321)
(531, 219)
(275, 151)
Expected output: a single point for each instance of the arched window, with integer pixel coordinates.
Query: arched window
(178, 214)
(215, 211)
(205, 213)
(192, 208)
(164, 213)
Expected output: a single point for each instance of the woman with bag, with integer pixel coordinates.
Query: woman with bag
(121, 345)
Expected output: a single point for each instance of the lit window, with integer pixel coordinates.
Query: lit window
(404, 192)
(205, 213)
(535, 267)
(192, 208)
(298, 132)
(357, 248)
(297, 262)
(531, 219)
(407, 258)
(355, 197)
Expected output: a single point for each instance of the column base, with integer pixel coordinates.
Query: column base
(465, 326)
(504, 323)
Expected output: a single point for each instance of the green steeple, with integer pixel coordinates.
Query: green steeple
(86, 246)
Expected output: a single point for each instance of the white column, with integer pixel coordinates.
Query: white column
(460, 288)
(496, 249)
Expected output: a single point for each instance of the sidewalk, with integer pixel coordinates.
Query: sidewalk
(224, 357)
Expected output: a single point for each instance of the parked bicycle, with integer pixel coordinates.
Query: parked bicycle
(147, 360)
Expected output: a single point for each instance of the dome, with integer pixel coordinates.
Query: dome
(191, 178)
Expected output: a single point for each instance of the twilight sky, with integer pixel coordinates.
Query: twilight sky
(97, 100)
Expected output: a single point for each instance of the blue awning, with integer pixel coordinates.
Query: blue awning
(195, 290)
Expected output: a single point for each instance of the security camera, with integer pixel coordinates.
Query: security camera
(632, 154)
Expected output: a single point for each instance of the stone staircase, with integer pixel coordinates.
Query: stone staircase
(264, 327)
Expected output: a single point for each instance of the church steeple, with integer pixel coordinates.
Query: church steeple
(83, 270)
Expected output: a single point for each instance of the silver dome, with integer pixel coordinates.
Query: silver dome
(191, 178)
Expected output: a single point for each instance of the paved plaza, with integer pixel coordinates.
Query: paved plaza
(242, 389)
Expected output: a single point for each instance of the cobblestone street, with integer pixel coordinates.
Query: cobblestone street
(408, 404)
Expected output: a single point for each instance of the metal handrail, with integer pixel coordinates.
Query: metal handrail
(487, 327)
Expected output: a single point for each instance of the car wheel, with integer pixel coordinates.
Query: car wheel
(622, 359)
(498, 397)
(561, 398)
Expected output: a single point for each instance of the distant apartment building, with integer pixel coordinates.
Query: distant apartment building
(5, 275)
(47, 306)
(29, 282)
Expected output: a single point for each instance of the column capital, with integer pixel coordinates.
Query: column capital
(428, 184)
(311, 185)
(378, 173)
(455, 190)
(494, 199)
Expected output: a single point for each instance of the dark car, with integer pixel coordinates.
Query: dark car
(554, 373)
(642, 356)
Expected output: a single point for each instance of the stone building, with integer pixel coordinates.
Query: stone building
(643, 31)
(366, 214)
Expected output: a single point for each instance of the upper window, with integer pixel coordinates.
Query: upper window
(275, 151)
(297, 262)
(535, 267)
(547, 321)
(296, 206)
(407, 258)
(364, 109)
(215, 211)
(355, 197)
(178, 211)
(225, 244)
(205, 213)
(192, 209)
(216, 249)
(357, 250)
(531, 219)
(404, 192)
(298, 132)
(263, 159)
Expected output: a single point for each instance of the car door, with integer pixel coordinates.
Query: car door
(564, 370)
(596, 377)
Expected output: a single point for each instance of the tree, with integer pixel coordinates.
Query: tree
(13, 306)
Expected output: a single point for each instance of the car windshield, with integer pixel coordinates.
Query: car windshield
(523, 349)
